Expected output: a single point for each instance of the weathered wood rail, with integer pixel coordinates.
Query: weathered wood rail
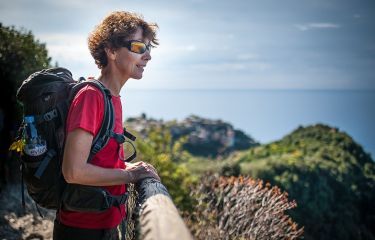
(158, 216)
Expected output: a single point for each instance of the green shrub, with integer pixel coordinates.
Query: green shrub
(158, 150)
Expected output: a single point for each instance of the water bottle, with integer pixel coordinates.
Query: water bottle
(35, 145)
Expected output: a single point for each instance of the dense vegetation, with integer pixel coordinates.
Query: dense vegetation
(159, 150)
(20, 55)
(329, 175)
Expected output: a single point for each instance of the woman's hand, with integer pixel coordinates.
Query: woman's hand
(139, 170)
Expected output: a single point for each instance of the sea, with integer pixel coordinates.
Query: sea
(264, 115)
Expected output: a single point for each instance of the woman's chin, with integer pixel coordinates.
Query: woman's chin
(138, 77)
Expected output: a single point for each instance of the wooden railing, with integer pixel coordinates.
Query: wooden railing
(158, 218)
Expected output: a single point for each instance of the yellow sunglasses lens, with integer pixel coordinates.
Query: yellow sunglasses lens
(138, 47)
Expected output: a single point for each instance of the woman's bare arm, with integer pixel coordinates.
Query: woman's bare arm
(76, 169)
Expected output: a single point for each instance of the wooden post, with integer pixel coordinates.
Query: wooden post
(158, 216)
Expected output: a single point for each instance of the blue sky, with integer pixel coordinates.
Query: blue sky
(207, 44)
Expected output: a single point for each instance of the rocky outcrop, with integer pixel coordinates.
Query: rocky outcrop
(205, 137)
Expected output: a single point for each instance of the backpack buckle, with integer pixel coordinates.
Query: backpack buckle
(117, 201)
(118, 137)
(50, 115)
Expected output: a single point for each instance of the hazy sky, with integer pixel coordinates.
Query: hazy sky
(207, 44)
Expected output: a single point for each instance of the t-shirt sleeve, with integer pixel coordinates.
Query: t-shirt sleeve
(86, 111)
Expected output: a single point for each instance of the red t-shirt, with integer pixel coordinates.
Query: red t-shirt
(86, 112)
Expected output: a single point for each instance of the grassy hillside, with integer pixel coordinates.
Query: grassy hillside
(329, 175)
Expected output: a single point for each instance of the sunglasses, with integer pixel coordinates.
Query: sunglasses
(137, 46)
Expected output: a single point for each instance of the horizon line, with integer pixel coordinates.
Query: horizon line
(251, 89)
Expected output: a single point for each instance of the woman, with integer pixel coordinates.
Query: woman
(121, 47)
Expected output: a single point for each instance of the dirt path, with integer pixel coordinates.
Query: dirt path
(16, 223)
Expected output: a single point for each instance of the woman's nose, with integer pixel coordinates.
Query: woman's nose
(147, 55)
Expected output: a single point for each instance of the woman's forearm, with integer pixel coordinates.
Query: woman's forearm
(89, 174)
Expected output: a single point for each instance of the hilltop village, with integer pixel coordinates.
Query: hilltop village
(205, 137)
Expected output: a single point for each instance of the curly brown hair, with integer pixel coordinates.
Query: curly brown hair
(115, 28)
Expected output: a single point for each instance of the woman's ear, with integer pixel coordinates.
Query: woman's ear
(111, 53)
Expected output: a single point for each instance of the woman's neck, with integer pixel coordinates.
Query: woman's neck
(112, 81)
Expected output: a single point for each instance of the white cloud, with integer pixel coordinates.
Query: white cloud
(168, 51)
(70, 51)
(189, 48)
(63, 47)
(232, 66)
(324, 25)
(319, 25)
(230, 36)
(246, 57)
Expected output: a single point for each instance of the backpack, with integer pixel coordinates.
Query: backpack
(46, 97)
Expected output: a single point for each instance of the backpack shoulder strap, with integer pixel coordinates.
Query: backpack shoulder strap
(108, 124)
(104, 134)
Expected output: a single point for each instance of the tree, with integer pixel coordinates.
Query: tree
(20, 55)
